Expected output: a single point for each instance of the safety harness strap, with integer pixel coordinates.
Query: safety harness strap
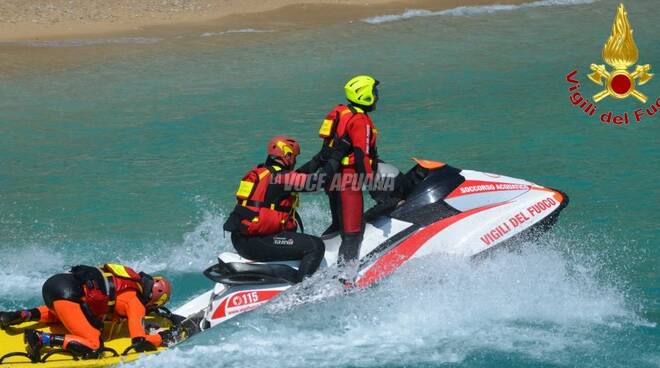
(110, 288)
(258, 204)
(299, 221)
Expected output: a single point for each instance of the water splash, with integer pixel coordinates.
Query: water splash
(233, 31)
(470, 10)
(198, 249)
(538, 303)
(545, 303)
(22, 274)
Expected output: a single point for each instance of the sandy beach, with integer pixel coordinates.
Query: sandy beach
(23, 20)
(36, 35)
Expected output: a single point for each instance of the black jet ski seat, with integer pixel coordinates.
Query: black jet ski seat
(244, 272)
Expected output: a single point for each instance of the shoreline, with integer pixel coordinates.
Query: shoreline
(91, 43)
(97, 20)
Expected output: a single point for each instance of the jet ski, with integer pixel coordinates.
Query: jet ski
(434, 209)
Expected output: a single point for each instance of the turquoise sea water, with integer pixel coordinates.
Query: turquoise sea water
(135, 159)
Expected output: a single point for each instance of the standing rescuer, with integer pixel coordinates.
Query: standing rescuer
(264, 221)
(349, 124)
(83, 298)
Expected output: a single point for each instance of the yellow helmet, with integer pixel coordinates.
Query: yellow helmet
(361, 90)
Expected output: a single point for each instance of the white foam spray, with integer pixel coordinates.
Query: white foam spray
(22, 274)
(234, 31)
(470, 10)
(537, 302)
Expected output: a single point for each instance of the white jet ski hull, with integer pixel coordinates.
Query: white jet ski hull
(459, 213)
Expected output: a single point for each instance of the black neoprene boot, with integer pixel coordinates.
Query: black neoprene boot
(81, 350)
(35, 340)
(15, 318)
(348, 261)
(349, 250)
(10, 318)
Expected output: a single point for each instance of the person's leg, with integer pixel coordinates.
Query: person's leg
(285, 246)
(313, 250)
(82, 336)
(46, 315)
(83, 339)
(352, 225)
(59, 286)
(11, 318)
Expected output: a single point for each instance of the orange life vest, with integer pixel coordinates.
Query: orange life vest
(335, 125)
(262, 210)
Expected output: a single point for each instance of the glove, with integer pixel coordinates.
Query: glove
(140, 344)
(168, 337)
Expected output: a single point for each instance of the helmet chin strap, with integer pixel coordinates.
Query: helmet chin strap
(364, 108)
(276, 161)
(147, 284)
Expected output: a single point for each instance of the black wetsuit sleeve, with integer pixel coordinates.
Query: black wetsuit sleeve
(317, 161)
(311, 166)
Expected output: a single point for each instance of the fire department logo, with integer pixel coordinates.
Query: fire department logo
(620, 52)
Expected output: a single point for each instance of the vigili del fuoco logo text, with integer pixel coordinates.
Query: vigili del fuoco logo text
(620, 53)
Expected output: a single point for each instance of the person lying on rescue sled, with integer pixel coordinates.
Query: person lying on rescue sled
(263, 224)
(82, 298)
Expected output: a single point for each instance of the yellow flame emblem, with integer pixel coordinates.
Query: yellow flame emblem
(620, 52)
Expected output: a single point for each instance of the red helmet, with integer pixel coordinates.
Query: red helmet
(160, 292)
(284, 148)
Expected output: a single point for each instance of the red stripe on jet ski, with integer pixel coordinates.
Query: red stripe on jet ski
(480, 186)
(245, 300)
(392, 260)
(221, 311)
